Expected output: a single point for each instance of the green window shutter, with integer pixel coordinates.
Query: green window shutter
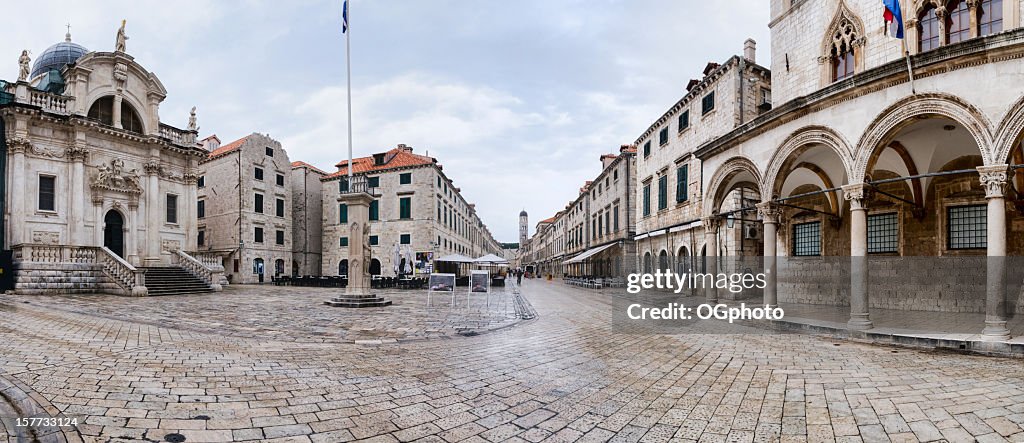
(405, 239)
(342, 214)
(647, 200)
(344, 241)
(405, 208)
(374, 240)
(662, 192)
(374, 215)
(681, 180)
(405, 179)
(373, 182)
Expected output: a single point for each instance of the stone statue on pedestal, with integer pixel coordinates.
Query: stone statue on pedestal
(122, 38)
(23, 63)
(192, 120)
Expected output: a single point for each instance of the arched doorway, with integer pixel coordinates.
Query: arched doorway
(113, 232)
(278, 267)
(647, 263)
(663, 263)
(343, 267)
(295, 268)
(257, 268)
(374, 267)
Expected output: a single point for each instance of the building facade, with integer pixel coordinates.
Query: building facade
(96, 185)
(418, 212)
(244, 208)
(307, 219)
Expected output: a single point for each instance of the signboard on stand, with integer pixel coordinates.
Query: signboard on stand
(479, 282)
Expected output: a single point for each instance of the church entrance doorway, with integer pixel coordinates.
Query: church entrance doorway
(113, 232)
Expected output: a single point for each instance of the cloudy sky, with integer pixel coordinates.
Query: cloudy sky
(518, 99)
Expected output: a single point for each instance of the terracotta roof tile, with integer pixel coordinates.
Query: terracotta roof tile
(226, 149)
(301, 164)
(395, 158)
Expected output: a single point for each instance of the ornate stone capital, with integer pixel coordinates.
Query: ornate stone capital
(856, 194)
(190, 178)
(76, 153)
(994, 179)
(711, 224)
(769, 212)
(152, 167)
(18, 145)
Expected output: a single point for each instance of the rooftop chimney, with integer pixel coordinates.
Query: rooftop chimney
(750, 50)
(403, 147)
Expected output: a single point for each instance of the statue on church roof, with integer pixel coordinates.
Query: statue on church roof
(23, 64)
(122, 38)
(192, 120)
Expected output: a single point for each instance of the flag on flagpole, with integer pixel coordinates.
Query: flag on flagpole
(344, 17)
(893, 17)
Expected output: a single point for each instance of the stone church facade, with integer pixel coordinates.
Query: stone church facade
(97, 186)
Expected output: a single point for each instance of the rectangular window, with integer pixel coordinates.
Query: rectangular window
(374, 240)
(343, 185)
(807, 239)
(201, 182)
(258, 203)
(991, 20)
(280, 179)
(342, 214)
(258, 174)
(374, 213)
(270, 151)
(647, 149)
(707, 104)
(47, 193)
(373, 182)
(405, 178)
(662, 192)
(615, 175)
(684, 120)
(682, 176)
(647, 200)
(615, 217)
(280, 207)
(663, 136)
(607, 222)
(344, 241)
(201, 209)
(201, 239)
(257, 235)
(439, 181)
(405, 208)
(405, 239)
(172, 208)
(279, 237)
(967, 227)
(883, 233)
(600, 225)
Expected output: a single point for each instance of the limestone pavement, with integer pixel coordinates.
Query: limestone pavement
(263, 364)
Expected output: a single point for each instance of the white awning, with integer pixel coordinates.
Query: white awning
(455, 258)
(685, 227)
(587, 254)
(491, 258)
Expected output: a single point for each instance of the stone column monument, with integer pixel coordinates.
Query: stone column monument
(358, 293)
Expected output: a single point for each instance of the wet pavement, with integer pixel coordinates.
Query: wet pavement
(271, 364)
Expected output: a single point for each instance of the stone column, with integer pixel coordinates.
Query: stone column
(770, 217)
(189, 224)
(117, 111)
(859, 316)
(131, 245)
(153, 218)
(77, 156)
(994, 179)
(972, 5)
(711, 225)
(17, 210)
(358, 293)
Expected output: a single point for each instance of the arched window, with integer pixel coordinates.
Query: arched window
(103, 111)
(990, 17)
(843, 62)
(647, 263)
(929, 29)
(958, 21)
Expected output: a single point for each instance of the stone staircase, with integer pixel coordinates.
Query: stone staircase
(172, 280)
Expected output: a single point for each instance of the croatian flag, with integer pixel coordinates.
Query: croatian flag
(894, 17)
(344, 17)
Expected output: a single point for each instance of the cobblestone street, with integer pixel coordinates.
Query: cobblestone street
(272, 364)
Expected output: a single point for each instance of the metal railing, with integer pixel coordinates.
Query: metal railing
(357, 184)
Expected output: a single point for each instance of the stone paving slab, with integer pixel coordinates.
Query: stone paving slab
(566, 376)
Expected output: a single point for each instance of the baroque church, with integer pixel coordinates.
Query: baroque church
(99, 191)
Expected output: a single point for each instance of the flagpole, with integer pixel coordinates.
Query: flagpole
(348, 70)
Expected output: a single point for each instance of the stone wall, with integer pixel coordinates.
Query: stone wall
(307, 220)
(64, 278)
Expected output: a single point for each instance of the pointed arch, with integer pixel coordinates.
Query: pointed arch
(845, 35)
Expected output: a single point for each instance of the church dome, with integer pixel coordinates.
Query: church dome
(58, 56)
(522, 213)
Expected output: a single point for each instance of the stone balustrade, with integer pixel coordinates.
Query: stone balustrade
(210, 274)
(126, 277)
